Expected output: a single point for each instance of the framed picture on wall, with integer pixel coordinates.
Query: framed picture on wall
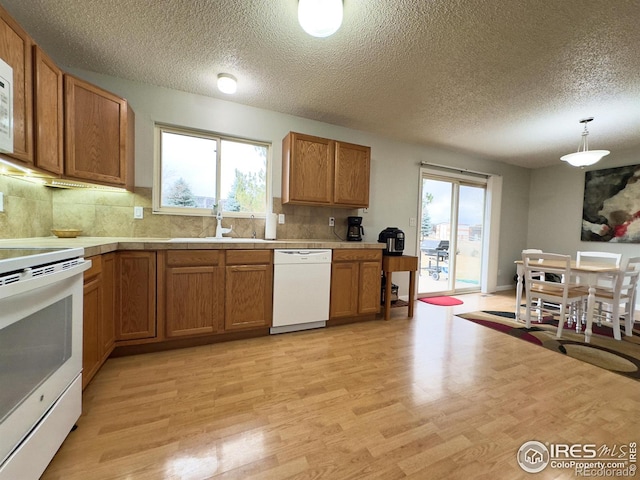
(611, 206)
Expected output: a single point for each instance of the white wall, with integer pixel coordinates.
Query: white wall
(394, 165)
(555, 207)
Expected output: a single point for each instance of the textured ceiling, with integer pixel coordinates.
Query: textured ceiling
(503, 79)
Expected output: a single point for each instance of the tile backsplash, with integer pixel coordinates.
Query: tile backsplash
(27, 209)
(33, 210)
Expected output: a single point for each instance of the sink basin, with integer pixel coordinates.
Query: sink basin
(217, 240)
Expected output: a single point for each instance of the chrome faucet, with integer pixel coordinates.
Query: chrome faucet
(219, 228)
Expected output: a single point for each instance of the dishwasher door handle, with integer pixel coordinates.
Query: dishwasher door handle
(301, 256)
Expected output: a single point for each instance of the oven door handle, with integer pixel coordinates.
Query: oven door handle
(26, 285)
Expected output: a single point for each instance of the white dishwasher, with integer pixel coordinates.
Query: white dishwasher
(301, 289)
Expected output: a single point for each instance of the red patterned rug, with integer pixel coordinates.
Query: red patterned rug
(619, 356)
(442, 301)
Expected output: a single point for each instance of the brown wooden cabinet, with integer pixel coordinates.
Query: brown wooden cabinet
(355, 283)
(48, 113)
(108, 329)
(15, 50)
(98, 135)
(307, 169)
(135, 295)
(320, 171)
(98, 333)
(248, 289)
(193, 292)
(92, 320)
(352, 173)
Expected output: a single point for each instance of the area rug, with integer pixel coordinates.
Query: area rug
(604, 351)
(442, 301)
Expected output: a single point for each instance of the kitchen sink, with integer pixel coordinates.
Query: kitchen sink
(217, 240)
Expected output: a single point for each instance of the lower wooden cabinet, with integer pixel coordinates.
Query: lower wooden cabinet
(355, 283)
(205, 292)
(98, 335)
(369, 287)
(92, 319)
(248, 289)
(108, 330)
(135, 295)
(193, 292)
(181, 297)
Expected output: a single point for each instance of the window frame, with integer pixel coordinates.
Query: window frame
(157, 208)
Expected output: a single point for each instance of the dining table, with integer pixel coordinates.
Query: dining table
(587, 272)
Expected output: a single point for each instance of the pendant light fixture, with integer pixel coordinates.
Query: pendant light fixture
(584, 157)
(320, 18)
(227, 83)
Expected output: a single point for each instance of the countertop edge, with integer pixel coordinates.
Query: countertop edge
(101, 245)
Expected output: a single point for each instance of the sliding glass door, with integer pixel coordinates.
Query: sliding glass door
(451, 233)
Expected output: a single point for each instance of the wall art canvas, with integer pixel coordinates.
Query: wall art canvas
(611, 207)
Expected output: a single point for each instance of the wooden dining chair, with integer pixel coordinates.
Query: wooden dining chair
(599, 257)
(604, 281)
(617, 301)
(540, 291)
(540, 275)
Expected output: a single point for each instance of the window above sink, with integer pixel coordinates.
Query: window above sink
(202, 173)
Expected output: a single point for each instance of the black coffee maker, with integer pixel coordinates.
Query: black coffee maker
(354, 229)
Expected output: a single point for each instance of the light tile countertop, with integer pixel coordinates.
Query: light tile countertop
(99, 245)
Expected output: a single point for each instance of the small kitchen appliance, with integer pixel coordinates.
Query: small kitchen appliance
(354, 229)
(394, 238)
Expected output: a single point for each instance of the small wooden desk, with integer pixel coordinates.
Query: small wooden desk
(404, 263)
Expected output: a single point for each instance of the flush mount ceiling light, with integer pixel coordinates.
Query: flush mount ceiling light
(320, 18)
(584, 157)
(227, 83)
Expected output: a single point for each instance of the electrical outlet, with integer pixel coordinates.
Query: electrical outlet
(412, 222)
(1, 202)
(281, 218)
(332, 221)
(365, 210)
(137, 212)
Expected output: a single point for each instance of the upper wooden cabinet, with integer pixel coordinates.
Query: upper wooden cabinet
(352, 172)
(320, 171)
(307, 169)
(48, 113)
(15, 50)
(98, 137)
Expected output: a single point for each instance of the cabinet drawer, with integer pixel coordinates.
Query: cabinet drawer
(96, 267)
(350, 255)
(248, 257)
(188, 258)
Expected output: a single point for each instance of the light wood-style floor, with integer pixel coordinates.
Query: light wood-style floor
(431, 397)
